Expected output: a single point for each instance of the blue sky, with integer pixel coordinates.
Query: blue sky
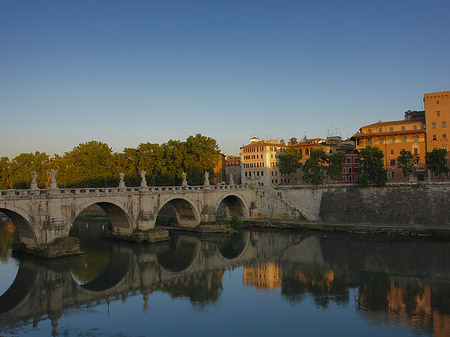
(130, 72)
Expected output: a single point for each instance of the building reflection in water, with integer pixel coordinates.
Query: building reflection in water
(263, 276)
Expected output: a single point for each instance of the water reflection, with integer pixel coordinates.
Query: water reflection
(386, 281)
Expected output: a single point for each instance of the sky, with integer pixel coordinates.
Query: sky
(130, 72)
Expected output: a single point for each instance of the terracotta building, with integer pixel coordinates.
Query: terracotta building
(391, 138)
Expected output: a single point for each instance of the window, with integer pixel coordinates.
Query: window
(356, 160)
(350, 178)
(444, 136)
(403, 128)
(444, 124)
(306, 151)
(416, 139)
(403, 139)
(416, 151)
(391, 129)
(416, 161)
(349, 160)
(392, 162)
(262, 173)
(392, 140)
(370, 142)
(392, 174)
(370, 130)
(415, 127)
(349, 170)
(380, 130)
(433, 125)
(434, 137)
(392, 152)
(438, 113)
(381, 141)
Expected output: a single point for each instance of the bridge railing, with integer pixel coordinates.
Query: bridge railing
(23, 193)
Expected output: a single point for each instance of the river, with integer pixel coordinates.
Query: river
(256, 283)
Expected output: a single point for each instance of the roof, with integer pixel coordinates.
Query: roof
(380, 123)
(265, 143)
(393, 133)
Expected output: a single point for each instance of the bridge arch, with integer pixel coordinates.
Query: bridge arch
(234, 247)
(119, 217)
(185, 211)
(24, 226)
(183, 251)
(233, 204)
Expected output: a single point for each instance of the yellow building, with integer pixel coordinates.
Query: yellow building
(391, 138)
(259, 161)
(437, 115)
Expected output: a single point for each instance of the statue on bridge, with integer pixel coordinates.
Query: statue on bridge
(143, 179)
(121, 182)
(206, 178)
(184, 183)
(53, 184)
(34, 185)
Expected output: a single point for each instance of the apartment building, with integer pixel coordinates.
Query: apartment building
(259, 161)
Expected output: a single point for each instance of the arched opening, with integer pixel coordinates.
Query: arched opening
(177, 212)
(231, 205)
(420, 177)
(93, 220)
(181, 253)
(24, 230)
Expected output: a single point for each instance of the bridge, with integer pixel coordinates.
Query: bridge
(42, 215)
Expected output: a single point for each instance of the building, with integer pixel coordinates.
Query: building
(437, 114)
(415, 116)
(392, 137)
(233, 169)
(259, 161)
(330, 145)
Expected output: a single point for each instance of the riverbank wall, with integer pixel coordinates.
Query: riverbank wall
(414, 204)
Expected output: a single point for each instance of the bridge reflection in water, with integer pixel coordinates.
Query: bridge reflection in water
(405, 282)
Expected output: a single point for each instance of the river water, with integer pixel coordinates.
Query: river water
(252, 284)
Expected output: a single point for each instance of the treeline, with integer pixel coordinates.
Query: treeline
(94, 164)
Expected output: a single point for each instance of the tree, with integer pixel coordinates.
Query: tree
(371, 167)
(4, 173)
(336, 163)
(315, 167)
(21, 166)
(436, 161)
(87, 165)
(405, 162)
(289, 160)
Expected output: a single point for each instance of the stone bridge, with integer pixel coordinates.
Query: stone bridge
(44, 215)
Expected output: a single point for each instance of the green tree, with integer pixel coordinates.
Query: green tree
(371, 167)
(315, 167)
(436, 161)
(336, 163)
(202, 154)
(4, 173)
(405, 162)
(289, 160)
(21, 166)
(87, 165)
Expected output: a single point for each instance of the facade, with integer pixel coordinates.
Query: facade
(350, 171)
(330, 145)
(259, 162)
(233, 169)
(391, 138)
